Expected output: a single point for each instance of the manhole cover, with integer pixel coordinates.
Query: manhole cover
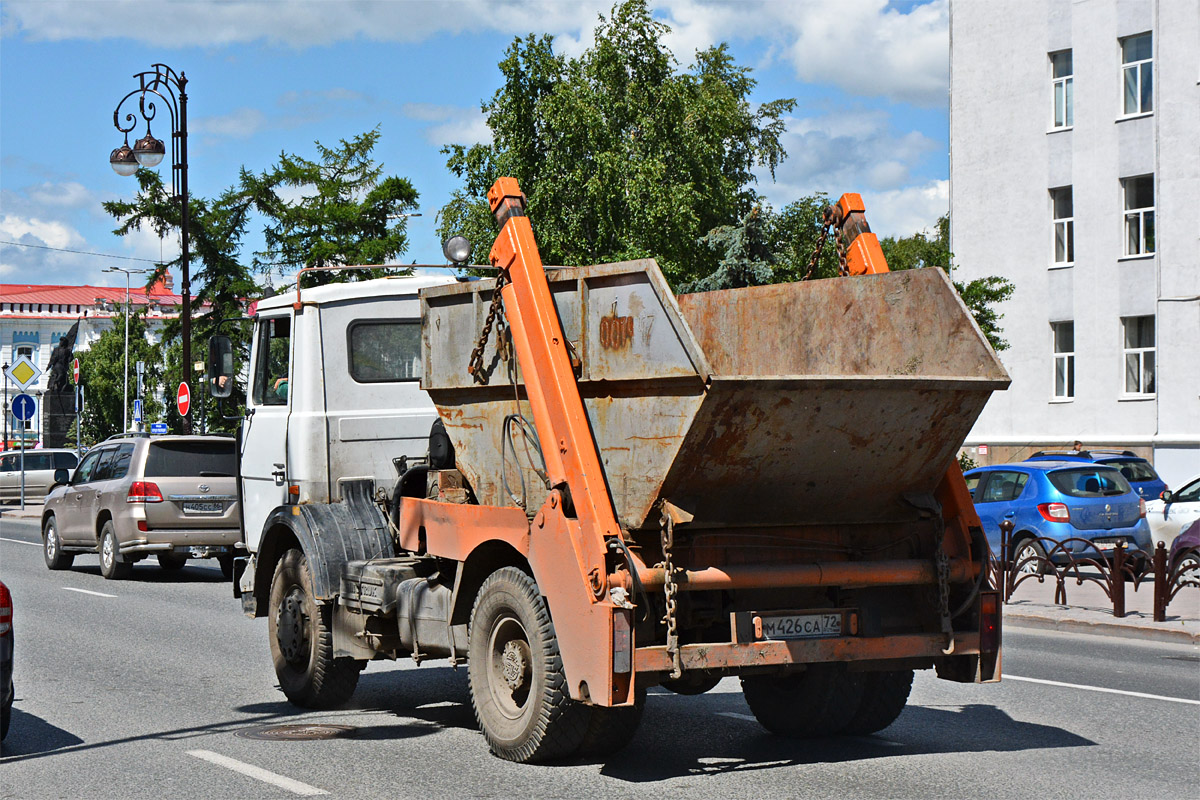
(297, 733)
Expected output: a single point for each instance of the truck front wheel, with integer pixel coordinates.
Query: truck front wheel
(302, 640)
(518, 686)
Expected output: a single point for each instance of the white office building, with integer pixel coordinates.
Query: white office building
(1075, 173)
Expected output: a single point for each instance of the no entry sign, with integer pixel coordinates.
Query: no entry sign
(183, 399)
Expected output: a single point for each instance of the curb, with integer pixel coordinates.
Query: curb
(1180, 636)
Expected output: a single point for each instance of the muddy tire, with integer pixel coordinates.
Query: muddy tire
(52, 550)
(302, 640)
(171, 561)
(515, 672)
(611, 729)
(884, 695)
(112, 567)
(820, 701)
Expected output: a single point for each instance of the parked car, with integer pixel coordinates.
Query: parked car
(7, 692)
(174, 497)
(1137, 470)
(39, 473)
(1059, 500)
(1189, 561)
(1173, 511)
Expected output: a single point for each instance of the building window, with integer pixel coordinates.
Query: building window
(1063, 79)
(1139, 355)
(25, 350)
(1137, 74)
(1064, 225)
(1139, 215)
(1064, 359)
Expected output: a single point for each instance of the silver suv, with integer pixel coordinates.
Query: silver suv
(134, 495)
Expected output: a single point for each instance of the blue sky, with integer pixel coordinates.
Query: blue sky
(870, 78)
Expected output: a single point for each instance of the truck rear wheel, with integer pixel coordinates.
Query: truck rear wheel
(515, 672)
(302, 640)
(820, 701)
(884, 695)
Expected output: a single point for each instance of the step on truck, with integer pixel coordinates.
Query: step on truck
(582, 486)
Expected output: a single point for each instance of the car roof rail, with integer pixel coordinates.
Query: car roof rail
(1116, 452)
(129, 435)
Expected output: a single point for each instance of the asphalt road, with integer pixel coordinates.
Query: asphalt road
(140, 689)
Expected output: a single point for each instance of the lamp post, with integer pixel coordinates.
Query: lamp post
(167, 85)
(4, 444)
(125, 406)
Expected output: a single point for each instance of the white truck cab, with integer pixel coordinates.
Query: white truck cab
(333, 394)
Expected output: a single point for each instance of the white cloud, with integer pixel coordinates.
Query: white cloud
(904, 211)
(453, 124)
(29, 230)
(862, 46)
(62, 195)
(239, 124)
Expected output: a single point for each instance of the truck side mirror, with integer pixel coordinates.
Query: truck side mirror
(220, 366)
(62, 476)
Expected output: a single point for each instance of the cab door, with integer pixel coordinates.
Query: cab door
(264, 454)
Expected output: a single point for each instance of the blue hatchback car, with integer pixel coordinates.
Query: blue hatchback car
(1137, 470)
(1059, 500)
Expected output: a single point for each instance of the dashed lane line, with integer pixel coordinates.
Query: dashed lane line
(20, 541)
(86, 591)
(1103, 689)
(258, 773)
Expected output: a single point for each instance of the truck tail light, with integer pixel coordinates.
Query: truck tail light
(1055, 512)
(989, 622)
(6, 609)
(1141, 508)
(143, 492)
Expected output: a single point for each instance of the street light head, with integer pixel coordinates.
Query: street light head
(123, 161)
(149, 151)
(457, 249)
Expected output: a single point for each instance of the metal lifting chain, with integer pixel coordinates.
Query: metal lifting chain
(942, 562)
(475, 364)
(816, 254)
(670, 589)
(843, 270)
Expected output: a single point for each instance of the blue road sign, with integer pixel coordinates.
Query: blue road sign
(137, 410)
(24, 407)
(158, 428)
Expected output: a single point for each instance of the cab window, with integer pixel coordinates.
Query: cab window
(384, 351)
(271, 373)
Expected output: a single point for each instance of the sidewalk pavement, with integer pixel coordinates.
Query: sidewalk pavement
(1032, 605)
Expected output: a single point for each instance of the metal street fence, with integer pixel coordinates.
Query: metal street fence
(1112, 568)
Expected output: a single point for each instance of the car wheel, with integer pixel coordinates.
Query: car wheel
(172, 561)
(820, 701)
(111, 565)
(301, 636)
(515, 673)
(1030, 558)
(52, 547)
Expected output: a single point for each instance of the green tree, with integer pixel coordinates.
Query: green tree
(620, 154)
(980, 295)
(102, 372)
(347, 213)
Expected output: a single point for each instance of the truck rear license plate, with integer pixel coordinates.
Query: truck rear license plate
(801, 626)
(202, 508)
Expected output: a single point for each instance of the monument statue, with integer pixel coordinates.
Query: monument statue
(58, 403)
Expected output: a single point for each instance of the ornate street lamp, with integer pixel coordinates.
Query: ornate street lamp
(163, 83)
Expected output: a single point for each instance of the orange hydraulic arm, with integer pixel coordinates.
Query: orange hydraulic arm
(861, 247)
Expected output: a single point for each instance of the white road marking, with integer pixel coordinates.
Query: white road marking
(736, 715)
(85, 591)
(1143, 695)
(20, 541)
(258, 773)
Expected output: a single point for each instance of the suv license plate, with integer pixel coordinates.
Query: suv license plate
(202, 508)
(802, 626)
